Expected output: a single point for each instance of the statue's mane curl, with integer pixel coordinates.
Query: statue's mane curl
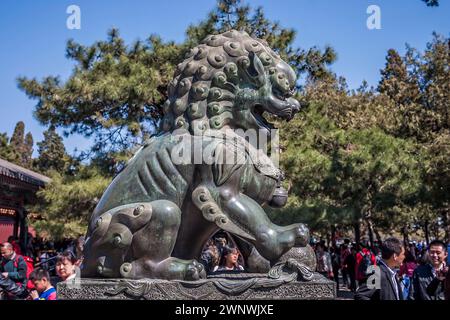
(201, 95)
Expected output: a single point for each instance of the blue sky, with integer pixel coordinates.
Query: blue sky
(33, 35)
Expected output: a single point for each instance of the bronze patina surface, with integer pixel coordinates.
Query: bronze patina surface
(157, 214)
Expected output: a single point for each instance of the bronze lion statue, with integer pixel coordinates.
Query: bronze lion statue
(158, 212)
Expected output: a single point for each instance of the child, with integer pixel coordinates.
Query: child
(229, 260)
(44, 289)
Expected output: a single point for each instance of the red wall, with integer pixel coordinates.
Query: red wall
(6, 228)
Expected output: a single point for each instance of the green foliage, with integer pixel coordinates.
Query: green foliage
(113, 94)
(67, 202)
(52, 153)
(233, 14)
(116, 91)
(374, 155)
(7, 152)
(17, 139)
(28, 149)
(397, 83)
(344, 174)
(418, 84)
(427, 121)
(19, 150)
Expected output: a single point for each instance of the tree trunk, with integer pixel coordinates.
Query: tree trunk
(427, 236)
(333, 235)
(357, 227)
(377, 234)
(370, 229)
(405, 235)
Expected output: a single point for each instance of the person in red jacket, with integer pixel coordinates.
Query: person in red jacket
(364, 259)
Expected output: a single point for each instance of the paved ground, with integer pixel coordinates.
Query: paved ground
(344, 293)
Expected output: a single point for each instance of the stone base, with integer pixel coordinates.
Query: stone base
(218, 287)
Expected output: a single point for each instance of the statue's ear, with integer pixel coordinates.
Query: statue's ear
(257, 69)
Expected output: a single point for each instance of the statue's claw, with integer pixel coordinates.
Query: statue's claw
(195, 271)
(126, 269)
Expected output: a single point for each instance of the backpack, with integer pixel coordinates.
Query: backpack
(30, 268)
(364, 264)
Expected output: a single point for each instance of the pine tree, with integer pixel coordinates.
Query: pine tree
(431, 3)
(17, 139)
(435, 80)
(6, 151)
(52, 153)
(396, 82)
(17, 146)
(67, 202)
(116, 91)
(346, 175)
(28, 151)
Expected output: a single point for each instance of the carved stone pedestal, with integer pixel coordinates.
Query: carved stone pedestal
(218, 287)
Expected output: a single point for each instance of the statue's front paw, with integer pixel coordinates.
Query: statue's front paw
(195, 271)
(126, 270)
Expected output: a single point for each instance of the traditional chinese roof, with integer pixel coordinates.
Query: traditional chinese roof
(22, 174)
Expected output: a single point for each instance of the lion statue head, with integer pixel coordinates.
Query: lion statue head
(230, 81)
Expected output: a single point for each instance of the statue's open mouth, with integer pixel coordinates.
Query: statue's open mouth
(260, 115)
(267, 119)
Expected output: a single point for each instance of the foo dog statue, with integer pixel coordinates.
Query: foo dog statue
(156, 215)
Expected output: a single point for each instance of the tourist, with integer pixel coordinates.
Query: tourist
(12, 265)
(9, 290)
(79, 245)
(14, 242)
(364, 259)
(406, 272)
(392, 256)
(210, 257)
(43, 288)
(447, 286)
(221, 240)
(43, 259)
(345, 251)
(413, 251)
(76, 247)
(350, 265)
(66, 266)
(229, 260)
(30, 252)
(428, 278)
(335, 255)
(324, 265)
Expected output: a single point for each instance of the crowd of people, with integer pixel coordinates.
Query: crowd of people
(412, 271)
(32, 272)
(387, 270)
